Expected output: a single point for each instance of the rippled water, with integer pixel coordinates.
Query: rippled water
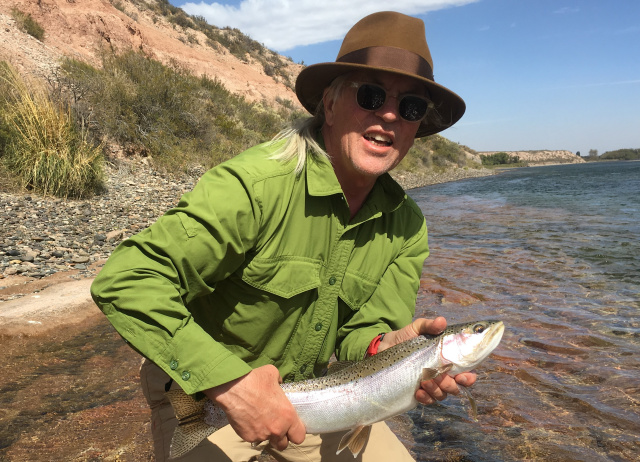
(554, 252)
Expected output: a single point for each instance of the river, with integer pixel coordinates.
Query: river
(554, 252)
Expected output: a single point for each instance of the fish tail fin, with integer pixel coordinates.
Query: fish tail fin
(191, 429)
(187, 437)
(355, 440)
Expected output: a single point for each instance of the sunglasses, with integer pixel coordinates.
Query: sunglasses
(371, 97)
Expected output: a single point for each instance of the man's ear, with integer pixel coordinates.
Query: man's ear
(328, 102)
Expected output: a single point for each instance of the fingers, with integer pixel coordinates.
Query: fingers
(466, 379)
(419, 326)
(295, 434)
(258, 410)
(423, 326)
(439, 388)
(279, 442)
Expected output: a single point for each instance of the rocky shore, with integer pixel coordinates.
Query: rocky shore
(42, 236)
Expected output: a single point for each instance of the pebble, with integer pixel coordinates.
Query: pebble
(43, 235)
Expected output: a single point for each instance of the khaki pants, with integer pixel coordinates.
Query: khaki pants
(226, 446)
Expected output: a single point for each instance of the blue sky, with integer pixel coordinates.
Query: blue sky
(535, 74)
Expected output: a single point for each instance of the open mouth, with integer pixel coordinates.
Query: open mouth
(378, 139)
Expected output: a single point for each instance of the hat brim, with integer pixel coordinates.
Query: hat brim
(313, 79)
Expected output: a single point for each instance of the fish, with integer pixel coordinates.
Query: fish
(353, 395)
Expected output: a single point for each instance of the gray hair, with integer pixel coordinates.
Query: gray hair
(301, 135)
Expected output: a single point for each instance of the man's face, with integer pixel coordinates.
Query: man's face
(365, 144)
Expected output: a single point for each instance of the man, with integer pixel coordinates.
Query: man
(290, 252)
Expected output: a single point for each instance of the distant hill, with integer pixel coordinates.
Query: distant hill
(543, 157)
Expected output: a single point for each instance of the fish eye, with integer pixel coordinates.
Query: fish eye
(478, 328)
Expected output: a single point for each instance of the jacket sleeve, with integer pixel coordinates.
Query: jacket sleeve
(392, 304)
(150, 278)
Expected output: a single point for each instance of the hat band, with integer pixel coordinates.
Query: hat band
(390, 58)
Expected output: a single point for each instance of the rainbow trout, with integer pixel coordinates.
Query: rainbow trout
(354, 395)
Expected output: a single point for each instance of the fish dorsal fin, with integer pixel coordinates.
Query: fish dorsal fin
(338, 366)
(355, 440)
(429, 373)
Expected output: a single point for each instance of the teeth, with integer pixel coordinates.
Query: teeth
(382, 139)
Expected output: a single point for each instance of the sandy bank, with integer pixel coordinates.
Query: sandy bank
(30, 306)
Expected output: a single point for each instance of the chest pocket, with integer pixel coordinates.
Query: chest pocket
(357, 289)
(283, 276)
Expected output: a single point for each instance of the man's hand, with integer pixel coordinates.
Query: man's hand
(258, 410)
(438, 388)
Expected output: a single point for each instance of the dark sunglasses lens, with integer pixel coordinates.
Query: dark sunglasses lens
(412, 108)
(370, 97)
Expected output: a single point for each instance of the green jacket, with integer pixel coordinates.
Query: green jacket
(258, 265)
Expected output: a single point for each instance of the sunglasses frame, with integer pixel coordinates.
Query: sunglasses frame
(399, 98)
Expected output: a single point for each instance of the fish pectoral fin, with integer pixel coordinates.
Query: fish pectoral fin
(355, 440)
(429, 373)
(472, 401)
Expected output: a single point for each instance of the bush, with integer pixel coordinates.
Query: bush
(27, 24)
(41, 144)
(499, 158)
(434, 151)
(167, 113)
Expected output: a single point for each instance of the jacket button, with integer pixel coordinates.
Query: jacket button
(173, 364)
(303, 368)
(186, 375)
(318, 327)
(332, 280)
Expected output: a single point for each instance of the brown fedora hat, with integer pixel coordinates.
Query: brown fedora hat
(384, 41)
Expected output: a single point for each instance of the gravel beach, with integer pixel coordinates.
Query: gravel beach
(42, 236)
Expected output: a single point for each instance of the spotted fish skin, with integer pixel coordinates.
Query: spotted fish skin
(363, 392)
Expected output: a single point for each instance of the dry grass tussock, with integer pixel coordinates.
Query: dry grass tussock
(40, 142)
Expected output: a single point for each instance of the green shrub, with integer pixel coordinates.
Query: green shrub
(27, 24)
(434, 152)
(165, 112)
(499, 158)
(41, 145)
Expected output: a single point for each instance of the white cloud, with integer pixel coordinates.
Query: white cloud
(567, 10)
(285, 24)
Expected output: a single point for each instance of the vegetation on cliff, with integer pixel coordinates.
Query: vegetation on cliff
(137, 105)
(166, 113)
